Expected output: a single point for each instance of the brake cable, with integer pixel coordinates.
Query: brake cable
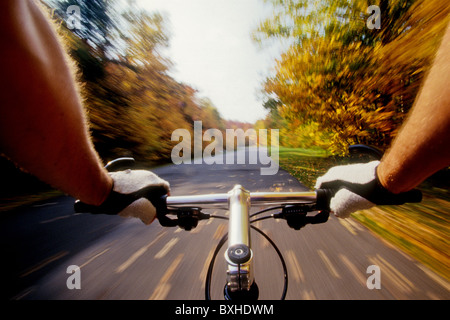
(225, 238)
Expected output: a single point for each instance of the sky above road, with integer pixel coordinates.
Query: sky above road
(212, 51)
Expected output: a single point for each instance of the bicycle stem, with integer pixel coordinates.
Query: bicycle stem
(239, 254)
(239, 224)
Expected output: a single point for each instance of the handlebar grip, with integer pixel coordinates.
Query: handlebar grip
(412, 196)
(323, 198)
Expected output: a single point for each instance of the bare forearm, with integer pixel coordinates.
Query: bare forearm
(422, 147)
(42, 124)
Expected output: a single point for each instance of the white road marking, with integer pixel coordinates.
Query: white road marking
(202, 275)
(169, 245)
(441, 281)
(347, 226)
(137, 254)
(297, 272)
(354, 270)
(94, 257)
(163, 287)
(394, 279)
(45, 262)
(328, 264)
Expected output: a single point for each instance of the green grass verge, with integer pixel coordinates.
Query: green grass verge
(306, 165)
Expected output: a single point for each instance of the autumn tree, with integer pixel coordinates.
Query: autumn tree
(352, 83)
(133, 104)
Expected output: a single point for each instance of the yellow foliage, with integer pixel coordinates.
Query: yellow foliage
(351, 81)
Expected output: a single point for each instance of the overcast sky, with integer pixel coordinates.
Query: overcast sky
(212, 50)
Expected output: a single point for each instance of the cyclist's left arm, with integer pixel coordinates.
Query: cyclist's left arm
(42, 123)
(43, 127)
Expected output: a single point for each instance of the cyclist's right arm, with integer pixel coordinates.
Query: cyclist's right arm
(422, 147)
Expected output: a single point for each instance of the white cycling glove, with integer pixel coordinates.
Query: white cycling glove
(356, 187)
(345, 201)
(136, 193)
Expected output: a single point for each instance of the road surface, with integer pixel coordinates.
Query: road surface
(124, 259)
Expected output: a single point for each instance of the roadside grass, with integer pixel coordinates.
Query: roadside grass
(305, 164)
(421, 230)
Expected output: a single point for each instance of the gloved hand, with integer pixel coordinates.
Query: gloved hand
(357, 187)
(136, 193)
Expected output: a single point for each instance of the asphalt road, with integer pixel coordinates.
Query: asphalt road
(124, 259)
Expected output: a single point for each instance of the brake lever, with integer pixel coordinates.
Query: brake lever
(296, 216)
(320, 217)
(187, 218)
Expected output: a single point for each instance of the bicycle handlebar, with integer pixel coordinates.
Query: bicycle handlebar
(221, 200)
(188, 208)
(320, 198)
